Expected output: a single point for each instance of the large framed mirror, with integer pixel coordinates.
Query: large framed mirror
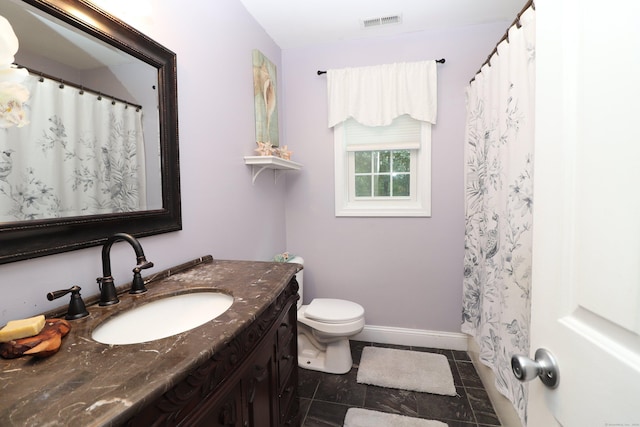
(96, 60)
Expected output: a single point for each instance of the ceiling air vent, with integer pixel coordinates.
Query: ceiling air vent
(382, 20)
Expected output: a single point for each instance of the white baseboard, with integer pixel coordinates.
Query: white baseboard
(413, 337)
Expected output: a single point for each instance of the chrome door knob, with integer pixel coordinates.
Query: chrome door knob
(544, 366)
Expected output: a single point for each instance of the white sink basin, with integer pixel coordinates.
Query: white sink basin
(162, 318)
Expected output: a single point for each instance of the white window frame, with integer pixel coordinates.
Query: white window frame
(417, 205)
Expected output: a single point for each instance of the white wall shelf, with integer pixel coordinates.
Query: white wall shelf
(260, 163)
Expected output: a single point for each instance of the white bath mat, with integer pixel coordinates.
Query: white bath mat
(406, 370)
(358, 417)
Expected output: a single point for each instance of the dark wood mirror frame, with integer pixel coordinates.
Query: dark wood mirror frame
(29, 239)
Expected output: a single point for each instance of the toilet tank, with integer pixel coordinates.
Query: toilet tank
(299, 274)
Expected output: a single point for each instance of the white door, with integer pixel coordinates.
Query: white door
(586, 248)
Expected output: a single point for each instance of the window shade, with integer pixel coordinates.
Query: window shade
(403, 134)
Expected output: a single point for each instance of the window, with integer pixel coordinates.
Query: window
(382, 174)
(383, 170)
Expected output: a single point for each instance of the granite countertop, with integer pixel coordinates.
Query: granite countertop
(92, 384)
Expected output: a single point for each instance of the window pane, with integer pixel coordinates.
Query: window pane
(401, 161)
(401, 185)
(383, 161)
(382, 186)
(363, 161)
(383, 170)
(363, 186)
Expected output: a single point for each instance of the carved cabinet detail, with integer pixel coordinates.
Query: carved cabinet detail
(252, 381)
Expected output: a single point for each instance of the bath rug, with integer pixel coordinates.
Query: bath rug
(406, 370)
(358, 417)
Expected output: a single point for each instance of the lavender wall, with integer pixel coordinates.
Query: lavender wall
(223, 213)
(406, 272)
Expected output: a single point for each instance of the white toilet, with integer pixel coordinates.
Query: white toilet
(324, 328)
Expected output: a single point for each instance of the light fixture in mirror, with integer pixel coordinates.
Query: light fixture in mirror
(100, 154)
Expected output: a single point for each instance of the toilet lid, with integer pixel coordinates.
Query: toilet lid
(330, 310)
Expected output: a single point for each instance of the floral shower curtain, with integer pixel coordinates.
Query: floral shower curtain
(499, 203)
(80, 154)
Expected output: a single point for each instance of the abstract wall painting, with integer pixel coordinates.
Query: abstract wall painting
(264, 91)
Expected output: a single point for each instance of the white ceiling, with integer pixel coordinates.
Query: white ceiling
(298, 23)
(43, 36)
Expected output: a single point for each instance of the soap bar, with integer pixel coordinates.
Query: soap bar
(22, 328)
(46, 343)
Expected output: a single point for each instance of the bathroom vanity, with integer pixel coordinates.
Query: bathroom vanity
(239, 369)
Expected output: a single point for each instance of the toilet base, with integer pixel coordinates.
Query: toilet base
(332, 358)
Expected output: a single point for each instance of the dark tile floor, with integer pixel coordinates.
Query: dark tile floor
(325, 398)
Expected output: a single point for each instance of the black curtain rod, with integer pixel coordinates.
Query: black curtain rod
(529, 3)
(62, 83)
(439, 61)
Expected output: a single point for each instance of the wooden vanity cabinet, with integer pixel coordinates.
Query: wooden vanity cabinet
(251, 381)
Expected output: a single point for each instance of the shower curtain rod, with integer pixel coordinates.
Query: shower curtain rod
(439, 61)
(505, 36)
(82, 89)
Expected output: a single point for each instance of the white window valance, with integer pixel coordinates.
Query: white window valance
(375, 95)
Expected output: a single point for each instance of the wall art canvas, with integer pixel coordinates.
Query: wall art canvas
(264, 92)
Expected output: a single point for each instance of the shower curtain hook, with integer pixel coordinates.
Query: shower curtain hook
(81, 90)
(518, 24)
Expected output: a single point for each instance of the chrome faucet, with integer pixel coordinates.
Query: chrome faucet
(108, 294)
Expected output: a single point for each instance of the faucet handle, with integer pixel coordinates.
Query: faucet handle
(77, 309)
(137, 285)
(142, 264)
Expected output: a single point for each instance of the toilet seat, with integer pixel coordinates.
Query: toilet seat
(333, 327)
(330, 310)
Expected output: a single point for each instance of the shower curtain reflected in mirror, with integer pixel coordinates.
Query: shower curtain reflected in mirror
(498, 204)
(81, 154)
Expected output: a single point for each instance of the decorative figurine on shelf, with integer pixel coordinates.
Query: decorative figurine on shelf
(283, 152)
(264, 148)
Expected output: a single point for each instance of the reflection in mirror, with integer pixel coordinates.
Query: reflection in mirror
(92, 142)
(99, 154)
